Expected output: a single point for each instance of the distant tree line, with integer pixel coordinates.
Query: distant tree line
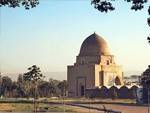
(25, 89)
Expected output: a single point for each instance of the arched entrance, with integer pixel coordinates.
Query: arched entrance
(117, 81)
(81, 86)
(82, 90)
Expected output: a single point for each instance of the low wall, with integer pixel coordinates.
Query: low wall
(123, 92)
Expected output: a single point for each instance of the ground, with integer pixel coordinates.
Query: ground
(74, 105)
(122, 108)
(28, 107)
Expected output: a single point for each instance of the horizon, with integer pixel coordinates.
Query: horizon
(51, 38)
(62, 75)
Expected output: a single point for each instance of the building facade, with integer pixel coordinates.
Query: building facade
(95, 66)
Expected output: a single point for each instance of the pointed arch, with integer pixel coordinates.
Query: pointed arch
(117, 81)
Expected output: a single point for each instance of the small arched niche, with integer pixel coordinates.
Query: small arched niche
(117, 81)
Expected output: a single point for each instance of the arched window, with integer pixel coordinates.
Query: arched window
(117, 81)
(107, 62)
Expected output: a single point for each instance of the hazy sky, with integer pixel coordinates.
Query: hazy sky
(51, 34)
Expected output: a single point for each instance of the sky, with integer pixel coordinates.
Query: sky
(51, 34)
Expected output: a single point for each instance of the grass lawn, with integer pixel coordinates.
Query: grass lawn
(22, 105)
(28, 107)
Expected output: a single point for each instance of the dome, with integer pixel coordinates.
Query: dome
(94, 45)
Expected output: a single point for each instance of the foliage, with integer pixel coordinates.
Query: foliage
(63, 87)
(148, 38)
(25, 89)
(6, 85)
(145, 79)
(106, 5)
(34, 74)
(25, 85)
(145, 82)
(16, 3)
(47, 89)
(103, 6)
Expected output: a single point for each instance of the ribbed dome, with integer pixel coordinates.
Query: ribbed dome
(94, 45)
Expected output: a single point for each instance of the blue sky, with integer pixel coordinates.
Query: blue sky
(51, 34)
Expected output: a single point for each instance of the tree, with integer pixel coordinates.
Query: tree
(0, 84)
(43, 89)
(6, 86)
(15, 90)
(16, 3)
(34, 75)
(63, 87)
(52, 86)
(23, 86)
(145, 82)
(106, 5)
(148, 38)
(145, 78)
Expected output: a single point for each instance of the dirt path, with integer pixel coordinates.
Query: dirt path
(5, 107)
(122, 108)
(117, 107)
(128, 109)
(84, 110)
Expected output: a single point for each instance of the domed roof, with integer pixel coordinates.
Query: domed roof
(94, 45)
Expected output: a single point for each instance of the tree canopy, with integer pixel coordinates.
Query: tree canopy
(106, 5)
(34, 74)
(145, 79)
(25, 88)
(145, 82)
(16, 3)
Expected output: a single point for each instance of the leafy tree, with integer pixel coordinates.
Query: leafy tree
(0, 84)
(23, 86)
(16, 3)
(148, 38)
(145, 82)
(145, 78)
(50, 88)
(34, 75)
(106, 5)
(63, 87)
(6, 86)
(20, 79)
(57, 89)
(15, 90)
(43, 89)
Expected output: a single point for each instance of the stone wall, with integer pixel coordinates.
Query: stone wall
(123, 92)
